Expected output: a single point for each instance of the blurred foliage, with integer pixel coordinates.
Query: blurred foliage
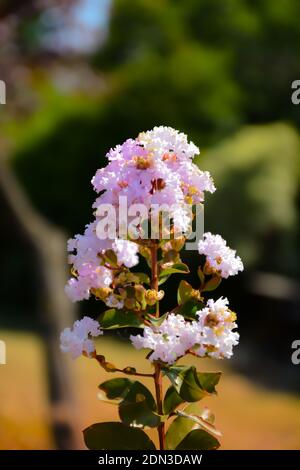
(259, 39)
(255, 206)
(206, 67)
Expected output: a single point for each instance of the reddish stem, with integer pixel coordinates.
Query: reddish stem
(158, 373)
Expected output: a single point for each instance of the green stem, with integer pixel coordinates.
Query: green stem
(158, 373)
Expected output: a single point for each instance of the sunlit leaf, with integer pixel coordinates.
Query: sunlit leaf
(198, 439)
(114, 318)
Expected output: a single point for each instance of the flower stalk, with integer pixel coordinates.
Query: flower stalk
(158, 373)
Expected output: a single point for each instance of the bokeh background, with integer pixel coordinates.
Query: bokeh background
(83, 75)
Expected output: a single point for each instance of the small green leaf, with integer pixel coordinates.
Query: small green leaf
(180, 427)
(142, 278)
(209, 380)
(116, 388)
(186, 383)
(171, 400)
(201, 275)
(157, 321)
(114, 318)
(198, 439)
(163, 279)
(116, 436)
(189, 308)
(138, 414)
(185, 291)
(180, 268)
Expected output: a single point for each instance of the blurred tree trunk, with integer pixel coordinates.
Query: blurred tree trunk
(55, 312)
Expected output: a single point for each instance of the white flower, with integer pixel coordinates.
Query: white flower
(77, 341)
(219, 256)
(216, 323)
(114, 302)
(211, 335)
(126, 252)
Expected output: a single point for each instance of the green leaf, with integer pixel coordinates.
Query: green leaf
(189, 308)
(201, 275)
(138, 392)
(157, 321)
(212, 284)
(200, 421)
(138, 414)
(186, 383)
(143, 278)
(180, 268)
(198, 439)
(116, 436)
(114, 318)
(180, 427)
(171, 400)
(163, 279)
(116, 388)
(209, 380)
(132, 391)
(185, 292)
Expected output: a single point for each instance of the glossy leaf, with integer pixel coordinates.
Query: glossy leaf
(209, 380)
(116, 388)
(116, 436)
(186, 382)
(190, 384)
(200, 421)
(114, 318)
(138, 414)
(163, 279)
(179, 268)
(180, 427)
(185, 291)
(171, 400)
(198, 439)
(132, 391)
(189, 308)
(201, 276)
(138, 392)
(157, 321)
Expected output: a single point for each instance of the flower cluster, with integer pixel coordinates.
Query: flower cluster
(154, 169)
(219, 256)
(76, 341)
(89, 263)
(211, 335)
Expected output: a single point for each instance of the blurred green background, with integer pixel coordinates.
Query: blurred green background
(83, 75)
